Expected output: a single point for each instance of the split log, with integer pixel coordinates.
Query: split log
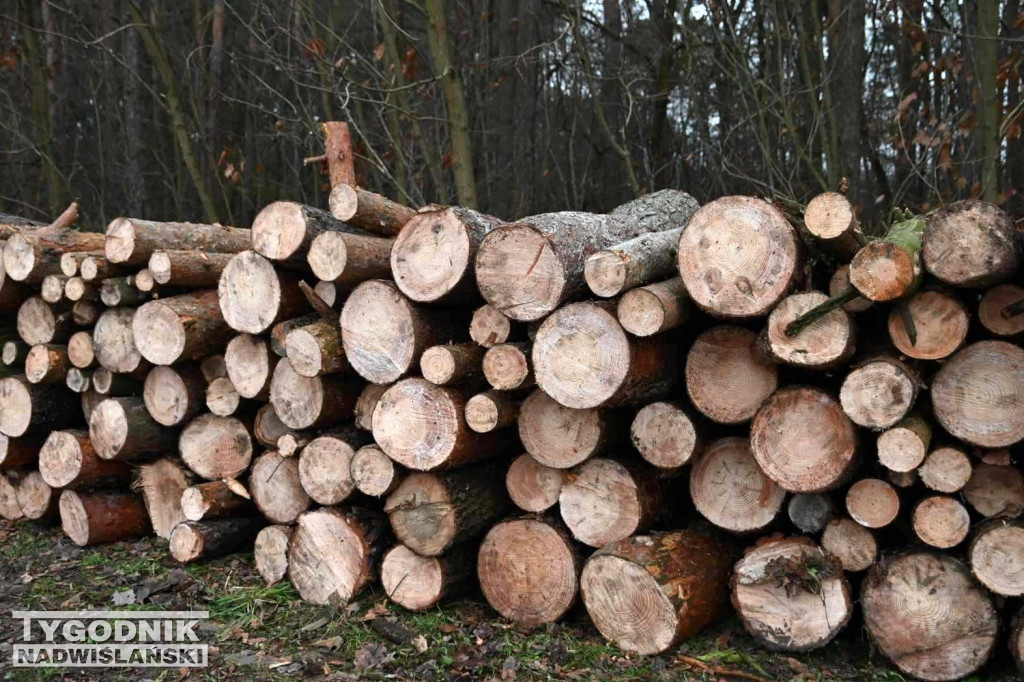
(490, 410)
(490, 327)
(250, 366)
(185, 327)
(830, 218)
(39, 322)
(34, 408)
(85, 313)
(604, 500)
(366, 404)
(872, 503)
(1000, 310)
(543, 592)
(194, 540)
(161, 484)
(284, 230)
(80, 350)
(348, 259)
(996, 555)
(418, 583)
(96, 266)
(30, 257)
(14, 352)
(16, 452)
(114, 343)
(506, 366)
(790, 595)
(971, 244)
(373, 472)
(216, 447)
(665, 436)
(276, 489)
(879, 393)
(890, 267)
(368, 211)
(946, 470)
(941, 521)
(121, 291)
(825, 343)
(174, 395)
(851, 543)
(132, 241)
(97, 518)
(978, 394)
(940, 323)
(271, 553)
(47, 364)
(559, 436)
(727, 379)
(995, 490)
(267, 427)
(633, 263)
(655, 308)
(532, 486)
(928, 616)
(311, 402)
(254, 295)
(221, 397)
(279, 332)
(316, 349)
(36, 499)
(67, 460)
(903, 447)
(810, 512)
(430, 513)
(9, 508)
(52, 288)
(452, 363)
(325, 466)
(839, 284)
(121, 429)
(197, 269)
(803, 441)
(729, 489)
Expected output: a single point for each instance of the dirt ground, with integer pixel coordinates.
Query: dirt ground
(259, 632)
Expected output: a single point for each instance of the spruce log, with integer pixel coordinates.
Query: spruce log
(36, 499)
(316, 349)
(121, 429)
(946, 470)
(39, 322)
(178, 328)
(490, 326)
(903, 447)
(47, 364)
(330, 293)
(283, 231)
(532, 486)
(161, 484)
(221, 397)
(872, 503)
(507, 366)
(132, 241)
(279, 332)
(366, 404)
(77, 289)
(71, 260)
(368, 211)
(604, 500)
(325, 466)
(114, 342)
(80, 350)
(143, 281)
(193, 540)
(971, 244)
(879, 393)
(267, 427)
(85, 313)
(996, 555)
(121, 291)
(638, 261)
(254, 295)
(810, 512)
(271, 553)
(729, 489)
(16, 452)
(940, 323)
(373, 472)
(67, 460)
(490, 410)
(825, 343)
(417, 583)
(830, 218)
(851, 543)
(30, 257)
(995, 490)
(174, 395)
(452, 363)
(250, 366)
(727, 378)
(941, 521)
(216, 447)
(9, 508)
(999, 310)
(197, 269)
(665, 436)
(559, 436)
(348, 259)
(52, 288)
(96, 267)
(655, 308)
(839, 284)
(311, 402)
(97, 518)
(34, 408)
(276, 489)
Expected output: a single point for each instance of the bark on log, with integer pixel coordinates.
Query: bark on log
(727, 379)
(507, 366)
(655, 308)
(559, 436)
(368, 211)
(121, 429)
(665, 436)
(903, 447)
(633, 263)
(30, 257)
(267, 427)
(114, 342)
(85, 313)
(311, 402)
(80, 350)
(851, 543)
(996, 555)
(490, 327)
(729, 489)
(36, 499)
(279, 332)
(348, 259)
(34, 408)
(283, 231)
(491, 410)
(603, 501)
(276, 489)
(132, 241)
(39, 322)
(47, 364)
(316, 349)
(197, 269)
(271, 553)
(97, 518)
(999, 310)
(17, 452)
(185, 327)
(532, 486)
(194, 540)
(221, 397)
(840, 284)
(995, 490)
(971, 244)
(373, 472)
(810, 512)
(824, 344)
(946, 470)
(96, 266)
(872, 503)
(67, 460)
(451, 364)
(940, 323)
(417, 583)
(254, 295)
(325, 466)
(121, 291)
(9, 508)
(216, 447)
(161, 484)
(174, 395)
(879, 393)
(941, 521)
(250, 366)
(366, 404)
(830, 218)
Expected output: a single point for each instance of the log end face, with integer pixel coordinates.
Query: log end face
(726, 377)
(60, 459)
(997, 558)
(160, 267)
(431, 255)
(327, 558)
(73, 518)
(941, 323)
(730, 490)
(343, 201)
(824, 343)
(279, 230)
(489, 326)
(377, 325)
(994, 302)
(882, 271)
(481, 413)
(412, 581)
(186, 543)
(559, 436)
(159, 333)
(971, 244)
(120, 241)
(373, 472)
(877, 395)
(506, 367)
(328, 256)
(872, 503)
(271, 553)
(16, 415)
(166, 396)
(641, 312)
(216, 447)
(532, 486)
(519, 272)
(304, 352)
(416, 423)
(298, 400)
(602, 503)
(851, 543)
(605, 273)
(664, 435)
(19, 257)
(941, 521)
(193, 505)
(247, 362)
(437, 365)
(37, 364)
(36, 322)
(250, 293)
(829, 215)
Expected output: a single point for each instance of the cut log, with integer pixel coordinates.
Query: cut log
(80, 350)
(289, 444)
(638, 261)
(268, 428)
(561, 437)
(71, 260)
(729, 489)
(197, 269)
(997, 556)
(9, 508)
(30, 257)
(507, 366)
(132, 241)
(311, 402)
(655, 308)
(97, 518)
(348, 259)
(34, 408)
(373, 472)
(928, 616)
(790, 595)
(941, 521)
(851, 543)
(491, 410)
(825, 343)
(114, 342)
(890, 267)
(432, 512)
(271, 553)
(96, 267)
(144, 282)
(161, 484)
(810, 512)
(940, 322)
(194, 540)
(665, 436)
(121, 291)
(67, 460)
(174, 395)
(216, 447)
(283, 231)
(366, 404)
(368, 211)
(250, 366)
(85, 313)
(603, 501)
(52, 288)
(872, 503)
(417, 583)
(532, 486)
(221, 397)
(332, 555)
(803, 441)
(971, 244)
(121, 429)
(727, 379)
(254, 295)
(839, 284)
(39, 322)
(330, 293)
(999, 310)
(14, 352)
(178, 328)
(316, 349)
(903, 447)
(36, 499)
(879, 393)
(77, 289)
(490, 327)
(276, 489)
(12, 294)
(978, 394)
(830, 218)
(946, 470)
(453, 363)
(325, 466)
(995, 490)
(279, 332)
(47, 364)
(529, 571)
(17, 452)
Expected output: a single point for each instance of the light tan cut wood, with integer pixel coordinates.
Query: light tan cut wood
(34, 408)
(310, 402)
(879, 393)
(831, 219)
(604, 500)
(47, 364)
(121, 428)
(507, 366)
(726, 377)
(185, 327)
(77, 289)
(9, 508)
(417, 583)
(316, 349)
(996, 555)
(884, 271)
(271, 553)
(971, 244)
(40, 322)
(655, 308)
(373, 472)
(729, 489)
(98, 518)
(80, 350)
(491, 410)
(940, 321)
(216, 447)
(114, 342)
(946, 469)
(995, 490)
(96, 267)
(193, 540)
(67, 460)
(211, 500)
(144, 281)
(276, 489)
(638, 261)
(173, 395)
(348, 259)
(36, 499)
(992, 306)
(268, 428)
(872, 503)
(221, 397)
(559, 436)
(71, 260)
(197, 269)
(250, 365)
(284, 230)
(132, 241)
(366, 210)
(532, 486)
(330, 293)
(254, 295)
(366, 403)
(30, 257)
(325, 467)
(851, 543)
(941, 521)
(903, 447)
(161, 484)
(453, 363)
(51, 289)
(490, 327)
(824, 344)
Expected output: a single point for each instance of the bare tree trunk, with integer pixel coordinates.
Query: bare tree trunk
(989, 97)
(847, 75)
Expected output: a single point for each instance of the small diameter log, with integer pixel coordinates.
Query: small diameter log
(810, 512)
(434, 253)
(47, 364)
(194, 540)
(283, 231)
(174, 395)
(368, 211)
(161, 484)
(330, 293)
(121, 429)
(17, 452)
(583, 358)
(39, 322)
(77, 289)
(655, 308)
(325, 466)
(384, 334)
(216, 447)
(221, 397)
(839, 284)
(373, 472)
(825, 343)
(114, 342)
(946, 470)
(995, 490)
(67, 460)
(727, 378)
(641, 260)
(529, 570)
(559, 436)
(1001, 310)
(890, 267)
(730, 490)
(14, 352)
(507, 366)
(634, 594)
(71, 260)
(78, 380)
(603, 501)
(36, 499)
(121, 291)
(276, 489)
(996, 555)
(131, 241)
(790, 595)
(34, 408)
(928, 616)
(940, 323)
(144, 281)
(30, 257)
(872, 503)
(430, 513)
(803, 441)
(316, 349)
(271, 553)
(52, 288)
(532, 486)
(178, 328)
(978, 394)
(311, 402)
(250, 366)
(80, 350)
(851, 543)
(195, 269)
(491, 410)
(971, 244)
(254, 295)
(9, 508)
(267, 428)
(332, 555)
(349, 259)
(366, 403)
(279, 332)
(903, 447)
(85, 313)
(941, 521)
(96, 267)
(452, 363)
(289, 444)
(490, 327)
(830, 218)
(879, 393)
(417, 583)
(97, 518)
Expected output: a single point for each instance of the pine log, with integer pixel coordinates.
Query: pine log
(730, 490)
(491, 410)
(366, 404)
(52, 288)
(839, 284)
(506, 366)
(655, 308)
(14, 352)
(311, 402)
(254, 295)
(810, 512)
(216, 447)
(430, 513)
(34, 408)
(39, 322)
(452, 363)
(17, 452)
(851, 543)
(347, 259)
(85, 313)
(161, 484)
(194, 540)
(276, 488)
(529, 571)
(665, 436)
(928, 616)
(250, 366)
(971, 244)
(418, 583)
(638, 261)
(30, 257)
(903, 447)
(830, 218)
(290, 443)
(114, 342)
(727, 378)
(97, 518)
(96, 267)
(197, 269)
(790, 595)
(604, 500)
(1000, 310)
(178, 328)
(559, 436)
(279, 332)
(121, 291)
(70, 261)
(268, 428)
(316, 349)
(144, 282)
(879, 393)
(532, 486)
(890, 267)
(826, 343)
(47, 364)
(9, 508)
(996, 554)
(490, 327)
(67, 460)
(283, 231)
(221, 397)
(946, 470)
(995, 490)
(373, 472)
(368, 211)
(36, 499)
(80, 350)
(940, 521)
(872, 503)
(271, 553)
(174, 395)
(940, 323)
(325, 466)
(121, 429)
(77, 289)
(132, 241)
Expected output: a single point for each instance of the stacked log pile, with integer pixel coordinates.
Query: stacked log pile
(656, 412)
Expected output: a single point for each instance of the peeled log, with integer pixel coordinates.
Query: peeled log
(34, 408)
(345, 258)
(507, 366)
(941, 521)
(284, 230)
(161, 484)
(879, 393)
(254, 295)
(325, 466)
(992, 305)
(216, 447)
(452, 363)
(790, 595)
(193, 540)
(121, 429)
(872, 503)
(367, 210)
(729, 489)
(250, 366)
(825, 343)
(603, 501)
(528, 268)
(559, 436)
(417, 583)
(928, 616)
(173, 395)
(47, 364)
(29, 257)
(655, 308)
(271, 553)
(995, 490)
(97, 518)
(316, 349)
(831, 219)
(532, 486)
(971, 244)
(374, 473)
(185, 327)
(132, 241)
(529, 571)
(311, 402)
(39, 322)
(276, 489)
(67, 460)
(366, 404)
(648, 593)
(727, 379)
(904, 447)
(946, 470)
(638, 261)
(996, 554)
(195, 269)
(940, 321)
(851, 543)
(490, 410)
(978, 394)
(114, 342)
(36, 499)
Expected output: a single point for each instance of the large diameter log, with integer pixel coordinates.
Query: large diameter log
(650, 592)
(47, 364)
(368, 211)
(250, 366)
(978, 394)
(638, 261)
(996, 555)
(316, 349)
(872, 503)
(173, 395)
(366, 404)
(946, 470)
(452, 363)
(561, 437)
(529, 571)
(928, 616)
(803, 441)
(384, 334)
(276, 488)
(348, 259)
(30, 257)
(941, 521)
(879, 393)
(271, 553)
(851, 543)
(528, 268)
(325, 466)
(114, 342)
(17, 452)
(98, 518)
(284, 230)
(995, 490)
(417, 583)
(310, 402)
(196, 269)
(729, 489)
(532, 486)
(603, 501)
(161, 484)
(80, 350)
(738, 257)
(790, 595)
(373, 472)
(39, 322)
(34, 408)
(655, 308)
(132, 241)
(254, 295)
(491, 410)
(825, 343)
(830, 218)
(332, 555)
(507, 366)
(67, 460)
(194, 540)
(431, 512)
(36, 499)
(971, 244)
(727, 378)
(939, 321)
(216, 447)
(185, 327)
(121, 429)
(490, 326)
(665, 436)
